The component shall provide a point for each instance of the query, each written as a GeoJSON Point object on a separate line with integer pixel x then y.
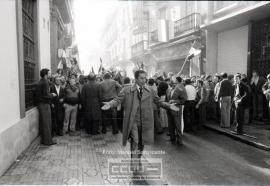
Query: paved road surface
{"type": "Point", "coordinates": [206, 158]}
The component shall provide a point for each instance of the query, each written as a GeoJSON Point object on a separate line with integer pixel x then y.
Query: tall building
{"type": "Point", "coordinates": [25, 40]}
{"type": "Point", "coordinates": [28, 45]}
{"type": "Point", "coordinates": [174, 27]}
{"type": "Point", "coordinates": [62, 31]}
{"type": "Point", "coordinates": [238, 36]}
{"type": "Point", "coordinates": [116, 39]}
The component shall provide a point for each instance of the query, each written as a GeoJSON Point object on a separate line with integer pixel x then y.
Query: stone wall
{"type": "Point", "coordinates": [14, 140]}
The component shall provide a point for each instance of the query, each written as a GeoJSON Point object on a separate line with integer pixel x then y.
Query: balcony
{"type": "Point", "coordinates": [138, 48]}
{"type": "Point", "coordinates": [188, 23]}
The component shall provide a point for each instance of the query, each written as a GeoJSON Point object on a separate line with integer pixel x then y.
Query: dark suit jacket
{"type": "Point", "coordinates": [56, 100]}
{"type": "Point", "coordinates": [179, 97]}
{"type": "Point", "coordinates": [42, 92]}
{"type": "Point", "coordinates": [243, 95]}
{"type": "Point", "coordinates": [91, 100]}
{"type": "Point", "coordinates": [226, 88]}
{"type": "Point", "coordinates": [257, 89]}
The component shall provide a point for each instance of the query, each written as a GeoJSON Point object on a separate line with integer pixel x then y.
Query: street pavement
{"type": "Point", "coordinates": [206, 158]}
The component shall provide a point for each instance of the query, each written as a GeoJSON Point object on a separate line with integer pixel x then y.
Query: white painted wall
{"type": "Point", "coordinates": [232, 50]}
{"type": "Point", "coordinates": [211, 52]}
{"type": "Point", "coordinates": [9, 95]}
{"type": "Point", "coordinates": [44, 33]}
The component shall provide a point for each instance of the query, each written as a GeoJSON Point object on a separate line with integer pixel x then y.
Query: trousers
{"type": "Point", "coordinates": [70, 117]}
{"type": "Point", "coordinates": [225, 109]}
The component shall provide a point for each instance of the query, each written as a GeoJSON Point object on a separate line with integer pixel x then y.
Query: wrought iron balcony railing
{"type": "Point", "coordinates": [138, 48]}
{"type": "Point", "coordinates": [188, 23]}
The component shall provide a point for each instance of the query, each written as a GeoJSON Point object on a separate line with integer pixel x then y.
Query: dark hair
{"type": "Point", "coordinates": [224, 75]}
{"type": "Point", "coordinates": [179, 79]}
{"type": "Point", "coordinates": [200, 81]}
{"type": "Point", "coordinates": [151, 81]}
{"type": "Point", "coordinates": [44, 72]}
{"type": "Point", "coordinates": [138, 72]}
{"type": "Point", "coordinates": [167, 79]}
{"type": "Point", "coordinates": [107, 75]}
{"type": "Point", "coordinates": [91, 77]}
{"type": "Point", "coordinates": [208, 77]}
{"type": "Point", "coordinates": [230, 77]}
{"type": "Point", "coordinates": [162, 88]}
{"type": "Point", "coordinates": [245, 80]}
{"type": "Point", "coordinates": [127, 80]}
{"type": "Point", "coordinates": [188, 81]}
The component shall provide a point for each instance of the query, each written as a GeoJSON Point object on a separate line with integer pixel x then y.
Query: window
{"type": "Point", "coordinates": [29, 51]}
{"type": "Point", "coordinates": [162, 13]}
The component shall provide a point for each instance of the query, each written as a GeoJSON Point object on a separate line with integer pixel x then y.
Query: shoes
{"type": "Point", "coordinates": [95, 133]}
{"type": "Point", "coordinates": [60, 133]}
{"type": "Point", "coordinates": [103, 131]}
{"type": "Point", "coordinates": [115, 132]}
{"type": "Point", "coordinates": [224, 127]}
{"type": "Point", "coordinates": [172, 140]}
{"type": "Point", "coordinates": [179, 141]}
{"type": "Point", "coordinates": [168, 134]}
{"type": "Point", "coordinates": [53, 143]}
{"type": "Point", "coordinates": [160, 132]}
{"type": "Point", "coordinates": [238, 132]}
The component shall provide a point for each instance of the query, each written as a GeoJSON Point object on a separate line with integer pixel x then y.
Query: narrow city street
{"type": "Point", "coordinates": [207, 158]}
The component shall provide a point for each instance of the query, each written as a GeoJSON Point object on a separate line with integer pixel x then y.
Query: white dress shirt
{"type": "Point", "coordinates": [191, 92]}
{"type": "Point", "coordinates": [57, 89]}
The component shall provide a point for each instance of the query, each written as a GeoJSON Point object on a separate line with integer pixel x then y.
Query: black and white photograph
{"type": "Point", "coordinates": [134, 92]}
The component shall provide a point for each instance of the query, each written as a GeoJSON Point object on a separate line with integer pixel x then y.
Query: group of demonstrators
{"type": "Point", "coordinates": [69, 102]}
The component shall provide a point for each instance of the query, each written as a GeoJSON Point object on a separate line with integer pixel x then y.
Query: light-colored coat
{"type": "Point", "coordinates": [128, 97]}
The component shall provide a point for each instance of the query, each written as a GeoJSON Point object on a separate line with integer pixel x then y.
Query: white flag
{"type": "Point", "coordinates": [194, 51]}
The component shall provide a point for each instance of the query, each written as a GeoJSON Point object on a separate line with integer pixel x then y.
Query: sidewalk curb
{"type": "Point", "coordinates": [238, 137]}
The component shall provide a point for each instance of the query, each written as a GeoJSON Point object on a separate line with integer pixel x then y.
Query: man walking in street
{"type": "Point", "coordinates": [240, 100]}
{"type": "Point", "coordinates": [109, 89]}
{"type": "Point", "coordinates": [224, 96]}
{"type": "Point", "coordinates": [44, 97]}
{"type": "Point", "coordinates": [138, 124]}
{"type": "Point", "coordinates": [91, 102]}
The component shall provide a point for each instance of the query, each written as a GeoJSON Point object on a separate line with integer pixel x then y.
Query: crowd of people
{"type": "Point", "coordinates": [180, 103]}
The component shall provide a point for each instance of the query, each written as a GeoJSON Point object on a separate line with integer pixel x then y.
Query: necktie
{"type": "Point", "coordinates": [140, 93]}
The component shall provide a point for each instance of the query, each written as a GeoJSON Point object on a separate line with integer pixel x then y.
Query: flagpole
{"type": "Point", "coordinates": [186, 59]}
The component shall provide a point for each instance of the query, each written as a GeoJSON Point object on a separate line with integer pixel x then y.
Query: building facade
{"type": "Point", "coordinates": [174, 27]}
{"type": "Point", "coordinates": [26, 38]}
{"type": "Point", "coordinates": [62, 32]}
{"type": "Point", "coordinates": [116, 39]}
{"type": "Point", "coordinates": [237, 37]}
{"type": "Point", "coordinates": [160, 36]}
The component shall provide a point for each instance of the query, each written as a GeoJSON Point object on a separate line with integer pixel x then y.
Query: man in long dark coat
{"type": "Point", "coordinates": [138, 124]}
{"type": "Point", "coordinates": [91, 100]}
{"type": "Point", "coordinates": [44, 97]}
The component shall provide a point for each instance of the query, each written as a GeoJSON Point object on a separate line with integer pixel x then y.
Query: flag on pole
{"type": "Point", "coordinates": [100, 66]}
{"type": "Point", "coordinates": [93, 70]}
{"type": "Point", "coordinates": [193, 52]}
